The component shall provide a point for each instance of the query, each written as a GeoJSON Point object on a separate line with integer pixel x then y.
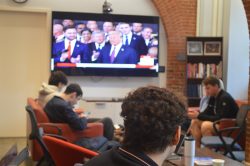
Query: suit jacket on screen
{"type": "Point", "coordinates": [79, 49]}
{"type": "Point", "coordinates": [126, 55]}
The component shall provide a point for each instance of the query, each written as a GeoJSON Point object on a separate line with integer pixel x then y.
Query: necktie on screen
{"type": "Point", "coordinates": [69, 50]}
{"type": "Point", "coordinates": [99, 47]}
{"type": "Point", "coordinates": [126, 40]}
{"type": "Point", "coordinates": [112, 56]}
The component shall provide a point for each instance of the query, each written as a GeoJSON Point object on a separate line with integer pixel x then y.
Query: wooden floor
{"type": "Point", "coordinates": [7, 143]}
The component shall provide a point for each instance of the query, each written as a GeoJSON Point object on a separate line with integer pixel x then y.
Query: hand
{"type": "Point", "coordinates": [82, 115]}
{"type": "Point", "coordinates": [95, 54]}
{"type": "Point", "coordinates": [79, 110]}
{"type": "Point", "coordinates": [64, 56]}
{"type": "Point", "coordinates": [75, 60]}
{"type": "Point", "coordinates": [192, 114]}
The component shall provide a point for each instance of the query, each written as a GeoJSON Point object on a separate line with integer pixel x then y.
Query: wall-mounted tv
{"type": "Point", "coordinates": [90, 44]}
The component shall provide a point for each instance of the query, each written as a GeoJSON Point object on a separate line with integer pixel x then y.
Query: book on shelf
{"type": "Point", "coordinates": [195, 90]}
{"type": "Point", "coordinates": [201, 70]}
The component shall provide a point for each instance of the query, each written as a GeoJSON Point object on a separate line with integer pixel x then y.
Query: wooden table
{"type": "Point", "coordinates": [205, 152]}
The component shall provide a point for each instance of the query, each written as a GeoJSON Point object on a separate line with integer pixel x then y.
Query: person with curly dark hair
{"type": "Point", "coordinates": [152, 120]}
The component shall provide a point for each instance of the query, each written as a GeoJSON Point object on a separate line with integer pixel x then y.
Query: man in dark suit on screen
{"type": "Point", "coordinates": [116, 52]}
{"type": "Point", "coordinates": [97, 45]}
{"type": "Point", "coordinates": [70, 50]}
{"type": "Point", "coordinates": [133, 40]}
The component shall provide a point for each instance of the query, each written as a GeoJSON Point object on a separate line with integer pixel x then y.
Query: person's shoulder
{"type": "Point", "coordinates": [59, 43]}
{"type": "Point", "coordinates": [137, 37]}
{"type": "Point", "coordinates": [47, 89]}
{"type": "Point", "coordinates": [79, 44]}
{"type": "Point", "coordinates": [128, 49]}
{"type": "Point", "coordinates": [225, 94]}
{"type": "Point", "coordinates": [105, 157]}
{"type": "Point", "coordinates": [226, 97]}
{"type": "Point", "coordinates": [57, 101]}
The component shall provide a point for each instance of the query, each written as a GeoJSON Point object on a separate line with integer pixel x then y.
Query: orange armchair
{"type": "Point", "coordinates": [66, 153]}
{"type": "Point", "coordinates": [63, 129]}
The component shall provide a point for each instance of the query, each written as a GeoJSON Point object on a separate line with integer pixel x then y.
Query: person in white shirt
{"type": "Point", "coordinates": [79, 28]}
{"type": "Point", "coordinates": [58, 33]}
{"type": "Point", "coordinates": [107, 27]}
{"type": "Point", "coordinates": [137, 28]}
{"type": "Point", "coordinates": [97, 44]}
{"type": "Point", "coordinates": [70, 50]}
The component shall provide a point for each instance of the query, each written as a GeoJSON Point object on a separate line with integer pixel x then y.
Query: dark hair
{"type": "Point", "coordinates": [58, 77]}
{"type": "Point", "coordinates": [151, 118]}
{"type": "Point", "coordinates": [81, 23]}
{"type": "Point", "coordinates": [211, 80]}
{"type": "Point", "coordinates": [69, 27]}
{"type": "Point", "coordinates": [86, 29]}
{"type": "Point", "coordinates": [71, 88]}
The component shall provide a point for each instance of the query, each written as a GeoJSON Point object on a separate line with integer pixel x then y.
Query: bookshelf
{"type": "Point", "coordinates": [204, 58]}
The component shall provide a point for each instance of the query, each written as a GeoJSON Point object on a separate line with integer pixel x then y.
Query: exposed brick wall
{"type": "Point", "coordinates": [247, 9]}
{"type": "Point", "coordinates": [179, 20]}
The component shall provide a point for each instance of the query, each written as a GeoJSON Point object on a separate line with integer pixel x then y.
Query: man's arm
{"type": "Point", "coordinates": [209, 114]}
{"type": "Point", "coordinates": [132, 57]}
{"type": "Point", "coordinates": [227, 108]}
{"type": "Point", "coordinates": [74, 121]}
{"type": "Point", "coordinates": [206, 117]}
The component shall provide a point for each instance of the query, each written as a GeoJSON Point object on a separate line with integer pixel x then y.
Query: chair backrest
{"type": "Point", "coordinates": [241, 102]}
{"type": "Point", "coordinates": [38, 110]}
{"type": "Point", "coordinates": [242, 115]}
{"type": "Point", "coordinates": [36, 135]}
{"type": "Point", "coordinates": [65, 153]}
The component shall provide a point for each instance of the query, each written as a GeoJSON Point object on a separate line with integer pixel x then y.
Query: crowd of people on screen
{"type": "Point", "coordinates": [103, 42]}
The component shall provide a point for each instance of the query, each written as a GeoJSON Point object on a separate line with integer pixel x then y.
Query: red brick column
{"type": "Point", "coordinates": [179, 20]}
{"type": "Point", "coordinates": [247, 9]}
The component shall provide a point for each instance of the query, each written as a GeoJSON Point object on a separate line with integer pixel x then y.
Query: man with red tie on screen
{"type": "Point", "coordinates": [70, 50]}
{"type": "Point", "coordinates": [116, 52]}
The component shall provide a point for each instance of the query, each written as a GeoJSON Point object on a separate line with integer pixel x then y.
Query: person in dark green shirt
{"type": "Point", "coordinates": [220, 105]}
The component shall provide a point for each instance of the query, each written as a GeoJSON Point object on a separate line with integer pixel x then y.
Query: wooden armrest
{"type": "Point", "coordinates": [229, 129]}
{"type": "Point", "coordinates": [224, 123]}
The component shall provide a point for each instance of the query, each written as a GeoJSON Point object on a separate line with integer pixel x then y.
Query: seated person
{"type": "Point", "coordinates": [57, 81]}
{"type": "Point", "coordinates": [220, 105]}
{"type": "Point", "coordinates": [60, 110]}
{"type": "Point", "coordinates": [152, 120]}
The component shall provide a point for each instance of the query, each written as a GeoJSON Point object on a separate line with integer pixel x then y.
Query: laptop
{"type": "Point", "coordinates": [178, 152]}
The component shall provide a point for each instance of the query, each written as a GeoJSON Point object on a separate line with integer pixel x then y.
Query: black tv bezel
{"type": "Point", "coordinates": [116, 72]}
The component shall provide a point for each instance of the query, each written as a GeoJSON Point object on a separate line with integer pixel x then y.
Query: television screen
{"type": "Point", "coordinates": [104, 44]}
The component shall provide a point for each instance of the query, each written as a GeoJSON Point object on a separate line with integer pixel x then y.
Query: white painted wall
{"type": "Point", "coordinates": [227, 18]}
{"type": "Point", "coordinates": [237, 73]}
{"type": "Point", "coordinates": [93, 86]}
{"type": "Point", "coordinates": [107, 86]}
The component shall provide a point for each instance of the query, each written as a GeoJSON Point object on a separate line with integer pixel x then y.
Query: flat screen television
{"type": "Point", "coordinates": [87, 44]}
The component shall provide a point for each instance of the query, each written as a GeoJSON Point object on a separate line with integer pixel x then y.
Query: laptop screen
{"type": "Point", "coordinates": [178, 146]}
